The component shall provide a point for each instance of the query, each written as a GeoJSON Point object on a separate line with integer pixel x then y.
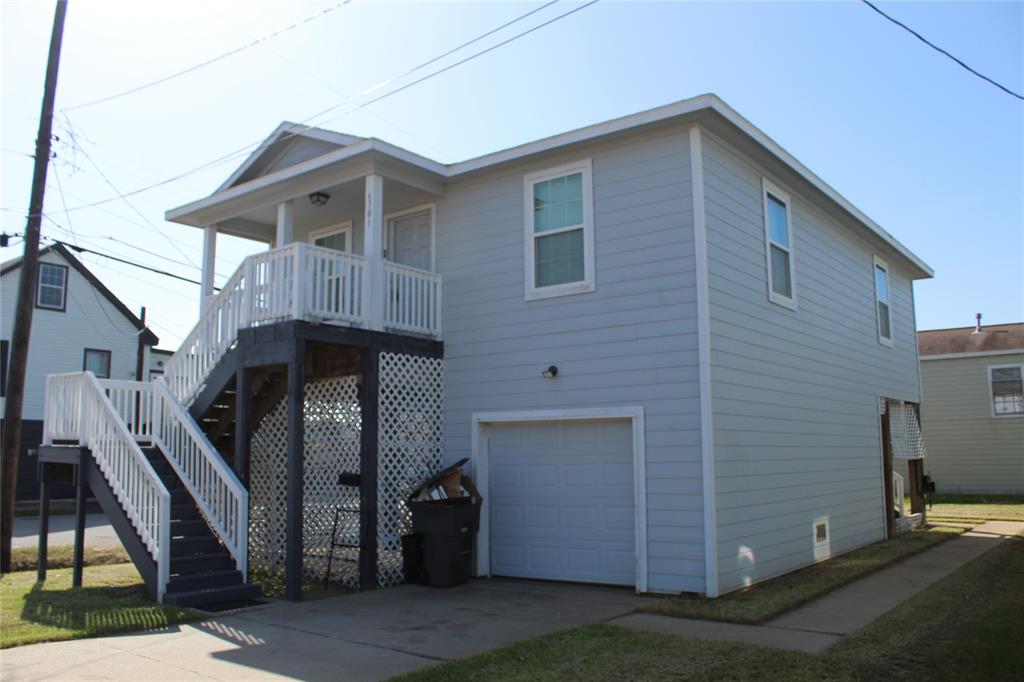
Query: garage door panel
{"type": "Point", "coordinates": [562, 501]}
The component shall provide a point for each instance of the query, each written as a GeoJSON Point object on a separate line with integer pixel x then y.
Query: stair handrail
{"type": "Point", "coordinates": [221, 497]}
{"type": "Point", "coordinates": [136, 485]}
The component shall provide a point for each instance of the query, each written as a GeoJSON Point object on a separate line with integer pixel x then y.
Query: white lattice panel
{"type": "Point", "coordinates": [905, 431]}
{"type": "Point", "coordinates": [332, 430]}
{"type": "Point", "coordinates": [410, 448]}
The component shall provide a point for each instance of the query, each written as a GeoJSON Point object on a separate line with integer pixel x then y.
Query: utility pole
{"type": "Point", "coordinates": [27, 282]}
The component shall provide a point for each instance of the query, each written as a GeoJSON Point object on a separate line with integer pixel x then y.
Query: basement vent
{"type": "Point", "coordinates": [822, 539]}
{"type": "Point", "coordinates": [821, 532]}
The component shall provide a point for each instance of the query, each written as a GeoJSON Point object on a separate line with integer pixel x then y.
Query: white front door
{"type": "Point", "coordinates": [410, 239]}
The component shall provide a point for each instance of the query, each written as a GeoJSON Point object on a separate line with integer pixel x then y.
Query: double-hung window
{"type": "Point", "coordinates": [883, 307]}
{"type": "Point", "coordinates": [559, 231]}
{"type": "Point", "coordinates": [1006, 386]}
{"type": "Point", "coordinates": [778, 234]}
{"type": "Point", "coordinates": [53, 287]}
{"type": "Point", "coordinates": [97, 362]}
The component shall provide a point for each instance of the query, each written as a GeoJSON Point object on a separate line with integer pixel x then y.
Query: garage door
{"type": "Point", "coordinates": [562, 501]}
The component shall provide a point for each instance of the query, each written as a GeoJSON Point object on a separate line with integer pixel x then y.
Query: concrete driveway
{"type": "Point", "coordinates": [98, 531]}
{"type": "Point", "coordinates": [365, 636]}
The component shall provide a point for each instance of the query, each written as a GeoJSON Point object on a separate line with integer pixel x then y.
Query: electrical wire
{"type": "Point", "coordinates": [306, 122]}
{"type": "Point", "coordinates": [254, 43]}
{"type": "Point", "coordinates": [940, 50]}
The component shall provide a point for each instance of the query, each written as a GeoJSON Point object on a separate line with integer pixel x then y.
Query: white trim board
{"type": "Point", "coordinates": [480, 460]}
{"type": "Point", "coordinates": [707, 447]}
{"type": "Point", "coordinates": [979, 354]}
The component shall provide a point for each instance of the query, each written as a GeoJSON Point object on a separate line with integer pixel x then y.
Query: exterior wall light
{"type": "Point", "coordinates": [319, 198]}
{"type": "Point", "coordinates": [550, 372]}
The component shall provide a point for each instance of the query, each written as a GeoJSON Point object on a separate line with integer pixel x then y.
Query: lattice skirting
{"type": "Point", "coordinates": [410, 447]}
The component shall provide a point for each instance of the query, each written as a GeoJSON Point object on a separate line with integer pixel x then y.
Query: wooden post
{"type": "Point", "coordinates": [373, 248]}
{"type": "Point", "coordinates": [209, 261]}
{"type": "Point", "coordinates": [370, 361]}
{"type": "Point", "coordinates": [285, 224]}
{"type": "Point", "coordinates": [243, 415]}
{"type": "Point", "coordinates": [79, 558]}
{"type": "Point", "coordinates": [44, 519]}
{"type": "Point", "coordinates": [890, 513]}
{"type": "Point", "coordinates": [916, 472]}
{"type": "Point", "coordinates": [296, 455]}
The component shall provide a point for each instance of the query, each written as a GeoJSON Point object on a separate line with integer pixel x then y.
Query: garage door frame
{"type": "Point", "coordinates": [480, 459]}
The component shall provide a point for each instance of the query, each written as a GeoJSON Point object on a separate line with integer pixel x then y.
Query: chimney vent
{"type": "Point", "coordinates": [977, 327]}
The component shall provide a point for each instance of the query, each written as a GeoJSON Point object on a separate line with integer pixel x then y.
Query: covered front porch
{"type": "Point", "coordinates": [351, 235]}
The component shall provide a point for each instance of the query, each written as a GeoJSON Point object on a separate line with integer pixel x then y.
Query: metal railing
{"type": "Point", "coordinates": [78, 408]}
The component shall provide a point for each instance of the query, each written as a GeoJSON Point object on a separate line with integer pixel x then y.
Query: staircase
{"type": "Point", "coordinates": [202, 571]}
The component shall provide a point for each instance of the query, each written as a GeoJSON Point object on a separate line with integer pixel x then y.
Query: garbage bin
{"type": "Point", "coordinates": [439, 553]}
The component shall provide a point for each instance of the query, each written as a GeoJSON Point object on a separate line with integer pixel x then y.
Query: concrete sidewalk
{"type": "Point", "coordinates": [365, 636]}
{"type": "Point", "coordinates": [820, 624]}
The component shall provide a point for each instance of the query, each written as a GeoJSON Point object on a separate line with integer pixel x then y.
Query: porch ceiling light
{"type": "Point", "coordinates": [319, 198]}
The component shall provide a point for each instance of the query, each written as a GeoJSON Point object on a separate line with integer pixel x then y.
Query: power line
{"type": "Point", "coordinates": [241, 151]}
{"type": "Point", "coordinates": [218, 58]}
{"type": "Point", "coordinates": [939, 49]}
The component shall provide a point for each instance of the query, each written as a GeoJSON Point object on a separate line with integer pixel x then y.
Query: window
{"type": "Point", "coordinates": [335, 237]}
{"type": "Point", "coordinates": [53, 286]}
{"type": "Point", "coordinates": [778, 234]}
{"type": "Point", "coordinates": [559, 232]}
{"type": "Point", "coordinates": [883, 310]}
{"type": "Point", "coordinates": [97, 362]}
{"type": "Point", "coordinates": [1006, 386]}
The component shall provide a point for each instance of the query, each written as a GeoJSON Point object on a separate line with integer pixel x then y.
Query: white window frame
{"type": "Point", "coordinates": [64, 291]}
{"type": "Point", "coordinates": [768, 187]}
{"type": "Point", "coordinates": [389, 231]}
{"type": "Point", "coordinates": [992, 398]}
{"type": "Point", "coordinates": [337, 228]}
{"type": "Point", "coordinates": [533, 292]}
{"type": "Point", "coordinates": [878, 263]}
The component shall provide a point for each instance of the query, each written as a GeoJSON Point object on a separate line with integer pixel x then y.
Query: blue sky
{"type": "Point", "coordinates": [930, 152]}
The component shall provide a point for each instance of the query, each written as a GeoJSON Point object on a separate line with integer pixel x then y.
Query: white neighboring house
{"type": "Point", "coordinates": [78, 323]}
{"type": "Point", "coordinates": [972, 410]}
{"type": "Point", "coordinates": [158, 357]}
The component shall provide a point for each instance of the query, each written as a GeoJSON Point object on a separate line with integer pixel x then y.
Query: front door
{"type": "Point", "coordinates": [410, 239]}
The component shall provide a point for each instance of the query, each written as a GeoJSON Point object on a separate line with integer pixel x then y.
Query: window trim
{"type": "Point", "coordinates": [110, 361]}
{"type": "Point", "coordinates": [878, 263]}
{"type": "Point", "coordinates": [587, 284]}
{"type": "Point", "coordinates": [768, 187]}
{"type": "Point", "coordinates": [39, 287]}
{"type": "Point", "coordinates": [992, 398]}
{"type": "Point", "coordinates": [389, 231]}
{"type": "Point", "coordinates": [329, 230]}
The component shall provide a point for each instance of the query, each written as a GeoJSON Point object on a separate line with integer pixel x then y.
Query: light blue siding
{"type": "Point", "coordinates": [795, 394]}
{"type": "Point", "coordinates": [630, 342]}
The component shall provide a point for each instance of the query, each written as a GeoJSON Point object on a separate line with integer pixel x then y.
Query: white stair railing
{"type": "Point", "coordinates": [133, 401]}
{"type": "Point", "coordinates": [77, 408]}
{"type": "Point", "coordinates": [214, 486]}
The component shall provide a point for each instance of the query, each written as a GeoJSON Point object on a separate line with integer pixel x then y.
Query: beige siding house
{"type": "Point", "coordinates": [972, 412]}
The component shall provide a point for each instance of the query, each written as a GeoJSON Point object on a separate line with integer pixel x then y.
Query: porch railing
{"type": "Point", "coordinates": [78, 408]}
{"type": "Point", "coordinates": [898, 492]}
{"type": "Point", "coordinates": [303, 282]}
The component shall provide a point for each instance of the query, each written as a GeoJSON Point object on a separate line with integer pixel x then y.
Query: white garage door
{"type": "Point", "coordinates": [562, 501]}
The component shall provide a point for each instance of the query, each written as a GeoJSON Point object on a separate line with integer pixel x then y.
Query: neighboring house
{"type": "Point", "coordinates": [972, 412]}
{"type": "Point", "coordinates": [157, 358]}
{"type": "Point", "coordinates": [77, 324]}
{"type": "Point", "coordinates": [663, 343]}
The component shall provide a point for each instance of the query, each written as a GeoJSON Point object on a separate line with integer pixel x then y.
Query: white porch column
{"type": "Point", "coordinates": [285, 223]}
{"type": "Point", "coordinates": [373, 248]}
{"type": "Point", "coordinates": [209, 258]}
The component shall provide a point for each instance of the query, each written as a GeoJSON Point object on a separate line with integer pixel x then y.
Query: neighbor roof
{"type": "Point", "coordinates": [992, 338]}
{"type": "Point", "coordinates": [148, 337]}
{"type": "Point", "coordinates": [189, 214]}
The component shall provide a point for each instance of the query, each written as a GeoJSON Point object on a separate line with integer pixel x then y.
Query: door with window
{"type": "Point", "coordinates": [410, 239]}
{"type": "Point", "coordinates": [332, 288]}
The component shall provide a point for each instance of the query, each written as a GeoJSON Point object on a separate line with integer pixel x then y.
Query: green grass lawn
{"type": "Point", "coordinates": [773, 597]}
{"type": "Point", "coordinates": [112, 599]}
{"type": "Point", "coordinates": [977, 508]}
{"type": "Point", "coordinates": [966, 626]}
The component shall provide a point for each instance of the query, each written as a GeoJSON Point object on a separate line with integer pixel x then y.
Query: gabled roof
{"type": "Point", "coordinates": [992, 338]}
{"type": "Point", "coordinates": [148, 337]}
{"type": "Point", "coordinates": [703, 108]}
{"type": "Point", "coordinates": [284, 136]}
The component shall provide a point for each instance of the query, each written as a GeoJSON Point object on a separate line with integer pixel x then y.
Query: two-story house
{"type": "Point", "coordinates": [78, 324]}
{"type": "Point", "coordinates": [664, 344]}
